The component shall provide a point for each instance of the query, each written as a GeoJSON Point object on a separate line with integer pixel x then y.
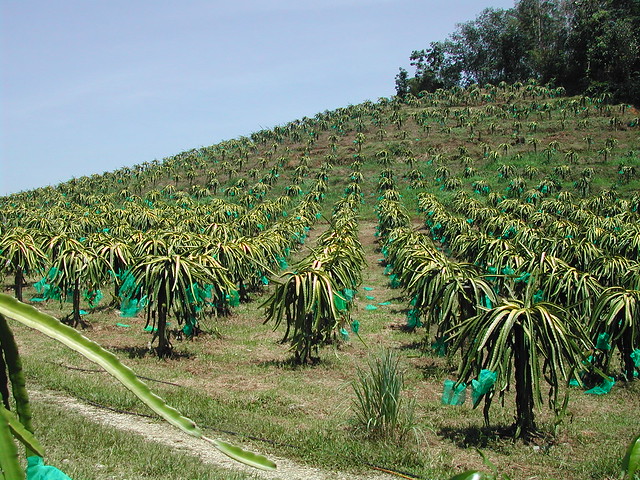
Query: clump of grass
{"type": "Point", "coordinates": [379, 407]}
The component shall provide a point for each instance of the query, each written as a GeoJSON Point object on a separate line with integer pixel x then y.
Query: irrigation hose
{"type": "Point", "coordinates": [89, 370]}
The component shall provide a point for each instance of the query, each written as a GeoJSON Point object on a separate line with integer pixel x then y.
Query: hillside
{"type": "Point", "coordinates": [487, 183]}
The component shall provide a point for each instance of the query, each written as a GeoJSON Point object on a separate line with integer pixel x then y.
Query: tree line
{"type": "Point", "coordinates": [585, 46]}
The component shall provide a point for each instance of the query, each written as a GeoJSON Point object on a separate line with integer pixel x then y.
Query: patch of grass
{"type": "Point", "coordinates": [381, 411]}
{"type": "Point", "coordinates": [86, 450]}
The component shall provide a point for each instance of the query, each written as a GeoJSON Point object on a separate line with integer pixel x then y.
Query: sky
{"type": "Point", "coordinates": [90, 86]}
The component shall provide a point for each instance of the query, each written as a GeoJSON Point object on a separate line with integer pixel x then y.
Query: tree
{"type": "Point", "coordinates": [581, 46]}
{"type": "Point", "coordinates": [522, 342]}
{"type": "Point", "coordinates": [543, 28]}
{"type": "Point", "coordinates": [306, 300]}
{"type": "Point", "coordinates": [434, 69]}
{"type": "Point", "coordinates": [617, 313]}
{"type": "Point", "coordinates": [603, 46]}
{"type": "Point", "coordinates": [172, 283]}
{"type": "Point", "coordinates": [20, 255]}
{"type": "Point", "coordinates": [402, 83]}
{"type": "Point", "coordinates": [75, 266]}
{"type": "Point", "coordinates": [118, 256]}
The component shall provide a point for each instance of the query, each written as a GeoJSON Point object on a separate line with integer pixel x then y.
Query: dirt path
{"type": "Point", "coordinates": [163, 433]}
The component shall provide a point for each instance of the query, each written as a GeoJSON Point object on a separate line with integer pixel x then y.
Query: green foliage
{"type": "Point", "coordinates": [564, 43]}
{"type": "Point", "coordinates": [525, 343]}
{"type": "Point", "coordinates": [169, 283]}
{"type": "Point", "coordinates": [306, 301]}
{"type": "Point", "coordinates": [617, 313]}
{"type": "Point", "coordinates": [631, 460]}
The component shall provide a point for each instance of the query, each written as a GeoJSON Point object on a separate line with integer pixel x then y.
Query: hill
{"type": "Point", "coordinates": [488, 181]}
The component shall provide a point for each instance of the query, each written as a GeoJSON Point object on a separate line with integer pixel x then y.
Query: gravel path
{"type": "Point", "coordinates": [163, 433]}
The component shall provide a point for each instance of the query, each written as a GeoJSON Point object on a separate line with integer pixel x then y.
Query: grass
{"type": "Point", "coordinates": [100, 452]}
{"type": "Point", "coordinates": [379, 406]}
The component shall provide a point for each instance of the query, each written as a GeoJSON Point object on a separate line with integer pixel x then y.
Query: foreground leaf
{"type": "Point", "coordinates": [9, 464]}
{"type": "Point", "coordinates": [51, 327]}
{"type": "Point", "coordinates": [470, 475]}
{"type": "Point", "coordinates": [21, 433]}
{"type": "Point", "coordinates": [631, 460]}
{"type": "Point", "coordinates": [237, 453]}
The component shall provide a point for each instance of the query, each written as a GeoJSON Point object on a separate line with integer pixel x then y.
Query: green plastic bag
{"type": "Point", "coordinates": [413, 318]}
{"type": "Point", "coordinates": [129, 286]}
{"type": "Point", "coordinates": [355, 326]}
{"type": "Point", "coordinates": [508, 271]}
{"type": "Point", "coordinates": [370, 307]}
{"type": "Point", "coordinates": [44, 288]}
{"type": "Point", "coordinates": [344, 335]}
{"type": "Point", "coordinates": [487, 302]}
{"type": "Point", "coordinates": [538, 296]}
{"type": "Point", "coordinates": [233, 298]}
{"type": "Point", "coordinates": [452, 395]}
{"type": "Point", "coordinates": [348, 294]}
{"type": "Point", "coordinates": [130, 307]}
{"type": "Point", "coordinates": [190, 326]}
{"type": "Point", "coordinates": [602, 389]}
{"type": "Point", "coordinates": [635, 356]}
{"type": "Point", "coordinates": [603, 342]}
{"type": "Point", "coordinates": [440, 346]}
{"type": "Point", "coordinates": [282, 262]}
{"type": "Point", "coordinates": [37, 470]}
{"type": "Point", "coordinates": [339, 302]}
{"type": "Point", "coordinates": [482, 385]}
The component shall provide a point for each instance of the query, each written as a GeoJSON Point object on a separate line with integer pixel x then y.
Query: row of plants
{"type": "Point", "coordinates": [214, 262]}
{"type": "Point", "coordinates": [315, 296]}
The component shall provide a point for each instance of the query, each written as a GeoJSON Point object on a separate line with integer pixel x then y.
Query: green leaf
{"type": "Point", "coordinates": [21, 433]}
{"type": "Point", "coordinates": [237, 453]}
{"type": "Point", "coordinates": [70, 337]}
{"type": "Point", "coordinates": [631, 460]}
{"type": "Point", "coordinates": [51, 327]}
{"type": "Point", "coordinates": [9, 464]}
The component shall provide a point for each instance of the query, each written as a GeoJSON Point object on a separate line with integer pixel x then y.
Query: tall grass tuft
{"type": "Point", "coordinates": [379, 407]}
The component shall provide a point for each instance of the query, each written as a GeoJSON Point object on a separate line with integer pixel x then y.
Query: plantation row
{"type": "Point", "coordinates": [509, 298]}
{"type": "Point", "coordinates": [215, 260]}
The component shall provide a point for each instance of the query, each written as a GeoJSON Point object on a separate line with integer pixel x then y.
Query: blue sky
{"type": "Point", "coordinates": [88, 86]}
